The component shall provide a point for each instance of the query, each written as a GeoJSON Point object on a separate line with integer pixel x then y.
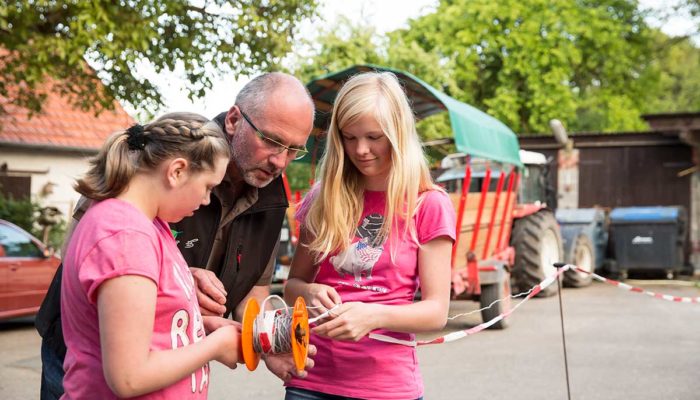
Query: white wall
{"type": "Point", "coordinates": [61, 169]}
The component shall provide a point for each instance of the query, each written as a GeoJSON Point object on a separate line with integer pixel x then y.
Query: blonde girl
{"type": "Point", "coordinates": [372, 229]}
{"type": "Point", "coordinates": [130, 316]}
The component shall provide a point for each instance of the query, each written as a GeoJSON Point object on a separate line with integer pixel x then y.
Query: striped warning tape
{"type": "Point", "coordinates": [622, 285]}
{"type": "Point", "coordinates": [450, 337]}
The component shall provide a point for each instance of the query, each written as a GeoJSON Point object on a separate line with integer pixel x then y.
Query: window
{"type": "Point", "coordinates": [17, 187]}
{"type": "Point", "coordinates": [17, 243]}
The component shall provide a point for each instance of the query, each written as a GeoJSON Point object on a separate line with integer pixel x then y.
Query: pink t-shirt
{"type": "Point", "coordinates": [114, 239]}
{"type": "Point", "coordinates": [371, 369]}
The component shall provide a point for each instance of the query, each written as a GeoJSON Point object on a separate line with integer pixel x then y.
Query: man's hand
{"type": "Point", "coordinates": [211, 294]}
{"type": "Point", "coordinates": [212, 323]}
{"type": "Point", "coordinates": [282, 365]}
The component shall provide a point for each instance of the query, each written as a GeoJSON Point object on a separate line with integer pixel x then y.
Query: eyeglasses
{"type": "Point", "coordinates": [293, 152]}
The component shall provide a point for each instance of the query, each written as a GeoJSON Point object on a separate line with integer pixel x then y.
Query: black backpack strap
{"type": "Point", "coordinates": [48, 319]}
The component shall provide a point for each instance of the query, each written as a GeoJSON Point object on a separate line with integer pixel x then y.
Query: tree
{"type": "Point", "coordinates": [50, 41]}
{"type": "Point", "coordinates": [678, 86]}
{"type": "Point", "coordinates": [349, 43]}
{"type": "Point", "coordinates": [527, 62]}
{"type": "Point", "coordinates": [590, 63]}
{"type": "Point", "coordinates": [337, 47]}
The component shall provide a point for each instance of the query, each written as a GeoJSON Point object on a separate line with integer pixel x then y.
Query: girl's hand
{"type": "Point", "coordinates": [351, 321]}
{"type": "Point", "coordinates": [228, 341]}
{"type": "Point", "coordinates": [320, 298]}
{"type": "Point", "coordinates": [213, 323]}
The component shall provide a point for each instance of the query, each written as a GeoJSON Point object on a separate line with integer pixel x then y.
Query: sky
{"type": "Point", "coordinates": [385, 15]}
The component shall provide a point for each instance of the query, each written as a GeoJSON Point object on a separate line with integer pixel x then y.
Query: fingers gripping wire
{"type": "Point", "coordinates": [327, 313]}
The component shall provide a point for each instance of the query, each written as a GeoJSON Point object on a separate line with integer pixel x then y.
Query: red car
{"type": "Point", "coordinates": [27, 267]}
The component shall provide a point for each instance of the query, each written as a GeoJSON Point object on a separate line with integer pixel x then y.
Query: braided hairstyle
{"type": "Point", "coordinates": [143, 148]}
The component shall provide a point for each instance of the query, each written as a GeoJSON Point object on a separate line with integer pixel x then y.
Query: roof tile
{"type": "Point", "coordinates": [60, 124]}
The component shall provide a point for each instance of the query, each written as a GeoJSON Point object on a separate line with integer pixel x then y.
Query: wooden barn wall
{"type": "Point", "coordinates": [627, 177]}
{"type": "Point", "coordinates": [626, 171]}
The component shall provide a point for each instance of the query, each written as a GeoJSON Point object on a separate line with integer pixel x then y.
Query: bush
{"type": "Point", "coordinates": [298, 175]}
{"type": "Point", "coordinates": [19, 212]}
{"type": "Point", "coordinates": [24, 213]}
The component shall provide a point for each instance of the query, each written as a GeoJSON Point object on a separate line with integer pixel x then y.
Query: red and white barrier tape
{"type": "Point", "coordinates": [451, 337]}
{"type": "Point", "coordinates": [624, 286]}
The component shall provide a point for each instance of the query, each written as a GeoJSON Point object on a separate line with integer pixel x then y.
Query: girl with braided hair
{"type": "Point", "coordinates": [130, 315]}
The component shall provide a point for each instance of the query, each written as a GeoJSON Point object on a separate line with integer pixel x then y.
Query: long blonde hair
{"type": "Point", "coordinates": [336, 209]}
{"type": "Point", "coordinates": [186, 135]}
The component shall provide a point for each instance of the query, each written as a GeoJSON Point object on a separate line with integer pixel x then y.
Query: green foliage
{"type": "Point", "coordinates": [678, 86]}
{"type": "Point", "coordinates": [50, 41]}
{"type": "Point", "coordinates": [595, 65]}
{"type": "Point", "coordinates": [338, 47]}
{"type": "Point", "coordinates": [350, 43]}
{"type": "Point", "coordinates": [57, 235]}
{"type": "Point", "coordinates": [19, 212]}
{"type": "Point", "coordinates": [526, 62]}
{"type": "Point", "coordinates": [24, 213]}
{"type": "Point", "coordinates": [436, 127]}
{"type": "Point", "coordinates": [299, 176]}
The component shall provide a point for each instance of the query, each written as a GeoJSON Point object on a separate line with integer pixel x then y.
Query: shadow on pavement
{"type": "Point", "coordinates": [17, 323]}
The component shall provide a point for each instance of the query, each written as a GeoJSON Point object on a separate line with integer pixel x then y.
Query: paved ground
{"type": "Point", "coordinates": [620, 345]}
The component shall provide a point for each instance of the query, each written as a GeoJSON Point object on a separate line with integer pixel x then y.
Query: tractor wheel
{"type": "Point", "coordinates": [583, 256]}
{"type": "Point", "coordinates": [538, 245]}
{"type": "Point", "coordinates": [491, 293]}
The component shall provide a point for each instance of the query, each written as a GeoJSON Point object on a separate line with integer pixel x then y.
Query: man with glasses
{"type": "Point", "coordinates": [267, 128]}
{"type": "Point", "coordinates": [293, 152]}
{"type": "Point", "coordinates": [235, 238]}
{"type": "Point", "coordinates": [230, 244]}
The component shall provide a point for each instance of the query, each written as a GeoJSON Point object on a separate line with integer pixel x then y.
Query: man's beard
{"type": "Point", "coordinates": [250, 178]}
{"type": "Point", "coordinates": [251, 173]}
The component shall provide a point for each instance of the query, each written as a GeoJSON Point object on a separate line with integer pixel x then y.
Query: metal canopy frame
{"type": "Point", "coordinates": [475, 132]}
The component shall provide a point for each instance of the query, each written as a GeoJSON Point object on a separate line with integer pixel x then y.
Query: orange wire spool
{"type": "Point", "coordinates": [250, 357]}
{"type": "Point", "coordinates": [299, 331]}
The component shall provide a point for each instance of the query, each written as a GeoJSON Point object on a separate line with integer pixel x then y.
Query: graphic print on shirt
{"type": "Point", "coordinates": [188, 324]}
{"type": "Point", "coordinates": [360, 257]}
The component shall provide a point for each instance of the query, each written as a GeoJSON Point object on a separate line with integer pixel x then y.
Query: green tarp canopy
{"type": "Point", "coordinates": [475, 132]}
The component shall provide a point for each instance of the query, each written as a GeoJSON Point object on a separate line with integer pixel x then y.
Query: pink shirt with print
{"type": "Point", "coordinates": [114, 239]}
{"type": "Point", "coordinates": [371, 369]}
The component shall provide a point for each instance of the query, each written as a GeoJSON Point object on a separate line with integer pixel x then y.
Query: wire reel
{"type": "Point", "coordinates": [260, 332]}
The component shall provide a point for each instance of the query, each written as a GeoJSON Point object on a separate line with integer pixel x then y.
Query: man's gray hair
{"type": "Point", "coordinates": [254, 95]}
